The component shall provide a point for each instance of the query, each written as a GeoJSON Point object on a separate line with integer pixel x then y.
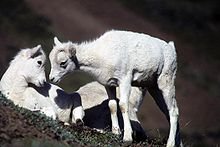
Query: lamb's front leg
{"type": "Point", "coordinates": [125, 89]}
{"type": "Point", "coordinates": [78, 111]}
{"type": "Point", "coordinates": [111, 91]}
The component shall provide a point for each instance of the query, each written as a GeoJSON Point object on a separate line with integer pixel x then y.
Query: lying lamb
{"type": "Point", "coordinates": [24, 82]}
{"type": "Point", "coordinates": [124, 59]}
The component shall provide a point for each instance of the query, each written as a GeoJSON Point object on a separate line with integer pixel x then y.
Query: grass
{"type": "Point", "coordinates": [56, 133]}
{"type": "Point", "coordinates": [64, 134]}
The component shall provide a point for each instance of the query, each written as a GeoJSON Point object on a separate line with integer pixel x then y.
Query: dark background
{"type": "Point", "coordinates": [194, 26]}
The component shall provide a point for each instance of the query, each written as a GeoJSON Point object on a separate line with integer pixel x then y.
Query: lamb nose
{"type": "Point", "coordinates": [52, 79]}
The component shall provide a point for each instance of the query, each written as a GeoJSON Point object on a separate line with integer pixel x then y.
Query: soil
{"type": "Point", "coordinates": [14, 125]}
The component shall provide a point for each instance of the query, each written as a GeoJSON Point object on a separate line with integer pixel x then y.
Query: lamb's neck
{"type": "Point", "coordinates": [7, 80]}
{"type": "Point", "coordinates": [88, 58]}
{"type": "Point", "coordinates": [20, 85]}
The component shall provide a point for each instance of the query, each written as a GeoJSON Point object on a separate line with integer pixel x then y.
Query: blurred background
{"type": "Point", "coordinates": [194, 26]}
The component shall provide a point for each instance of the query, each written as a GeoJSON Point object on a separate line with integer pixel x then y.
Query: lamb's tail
{"type": "Point", "coordinates": [173, 54]}
{"type": "Point", "coordinates": [172, 47]}
{"type": "Point", "coordinates": [171, 43]}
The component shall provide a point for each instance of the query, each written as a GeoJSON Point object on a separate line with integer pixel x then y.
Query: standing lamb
{"type": "Point", "coordinates": [124, 59]}
{"type": "Point", "coordinates": [24, 82]}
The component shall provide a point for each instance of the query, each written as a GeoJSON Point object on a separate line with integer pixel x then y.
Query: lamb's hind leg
{"type": "Point", "coordinates": [111, 91]}
{"type": "Point", "coordinates": [164, 95]}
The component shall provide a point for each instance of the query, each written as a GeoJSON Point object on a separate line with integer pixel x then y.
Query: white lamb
{"type": "Point", "coordinates": [125, 59]}
{"type": "Point", "coordinates": [24, 83]}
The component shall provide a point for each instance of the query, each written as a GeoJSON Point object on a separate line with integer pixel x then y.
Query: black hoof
{"type": "Point", "coordinates": [79, 122]}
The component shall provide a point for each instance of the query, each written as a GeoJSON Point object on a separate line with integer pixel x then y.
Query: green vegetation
{"type": "Point", "coordinates": [22, 127]}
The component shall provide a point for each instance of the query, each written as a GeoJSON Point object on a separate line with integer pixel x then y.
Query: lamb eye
{"type": "Point", "coordinates": [39, 62]}
{"type": "Point", "coordinates": [63, 64]}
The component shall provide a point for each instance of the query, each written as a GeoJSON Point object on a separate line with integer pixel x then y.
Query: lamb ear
{"type": "Point", "coordinates": [72, 51]}
{"type": "Point", "coordinates": [34, 52]}
{"type": "Point", "coordinates": [56, 41]}
{"type": "Point", "coordinates": [38, 47]}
